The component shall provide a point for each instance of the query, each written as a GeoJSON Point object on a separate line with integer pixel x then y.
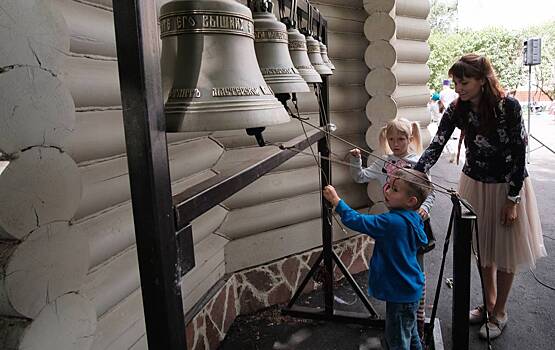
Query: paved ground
{"type": "Point", "coordinates": [531, 309]}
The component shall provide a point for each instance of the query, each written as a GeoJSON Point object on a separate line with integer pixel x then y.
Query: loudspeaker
{"type": "Point", "coordinates": [532, 51]}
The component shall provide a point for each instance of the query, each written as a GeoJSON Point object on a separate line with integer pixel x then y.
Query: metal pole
{"type": "Point", "coordinates": [147, 156]}
{"type": "Point", "coordinates": [462, 249]}
{"type": "Point", "coordinates": [529, 98]}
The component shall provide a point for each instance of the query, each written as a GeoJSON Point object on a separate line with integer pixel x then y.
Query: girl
{"type": "Point", "coordinates": [494, 180]}
{"type": "Point", "coordinates": [400, 140]}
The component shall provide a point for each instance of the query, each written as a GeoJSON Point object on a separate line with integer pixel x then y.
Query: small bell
{"type": "Point", "coordinates": [325, 58]}
{"type": "Point", "coordinates": [313, 47]}
{"type": "Point", "coordinates": [271, 46]}
{"type": "Point", "coordinates": [299, 56]}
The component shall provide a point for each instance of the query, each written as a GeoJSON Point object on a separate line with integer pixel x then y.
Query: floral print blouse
{"type": "Point", "coordinates": [496, 156]}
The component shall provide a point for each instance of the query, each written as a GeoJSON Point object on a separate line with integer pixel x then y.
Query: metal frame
{"type": "Point", "coordinates": [163, 224]}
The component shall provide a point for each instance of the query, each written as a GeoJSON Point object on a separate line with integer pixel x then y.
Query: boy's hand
{"type": "Point", "coordinates": [355, 152]}
{"type": "Point", "coordinates": [331, 195]}
{"type": "Point", "coordinates": [423, 214]}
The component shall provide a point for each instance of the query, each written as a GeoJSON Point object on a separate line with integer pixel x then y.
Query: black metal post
{"type": "Point", "coordinates": [325, 179]}
{"type": "Point", "coordinates": [140, 84]}
{"type": "Point", "coordinates": [462, 249]}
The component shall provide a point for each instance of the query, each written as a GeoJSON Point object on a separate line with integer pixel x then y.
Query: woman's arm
{"type": "Point", "coordinates": [518, 140]}
{"type": "Point", "coordinates": [433, 152]}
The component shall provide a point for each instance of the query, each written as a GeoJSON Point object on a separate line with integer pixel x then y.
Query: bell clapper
{"type": "Point", "coordinates": [257, 133]}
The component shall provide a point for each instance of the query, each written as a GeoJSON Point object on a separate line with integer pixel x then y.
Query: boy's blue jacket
{"type": "Point", "coordinates": [394, 274]}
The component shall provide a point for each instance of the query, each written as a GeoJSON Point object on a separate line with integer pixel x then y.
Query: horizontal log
{"type": "Point", "coordinates": [343, 19]}
{"type": "Point", "coordinates": [411, 73]}
{"type": "Point", "coordinates": [411, 50]}
{"type": "Point", "coordinates": [413, 8]}
{"type": "Point", "coordinates": [45, 46]}
{"type": "Point", "coordinates": [67, 323]}
{"type": "Point", "coordinates": [91, 28]}
{"type": "Point", "coordinates": [36, 108]}
{"type": "Point", "coordinates": [276, 186]}
{"type": "Point", "coordinates": [112, 232]}
{"type": "Point", "coordinates": [50, 262]}
{"type": "Point", "coordinates": [49, 190]}
{"type": "Point", "coordinates": [348, 72]}
{"type": "Point", "coordinates": [380, 81]}
{"type": "Point", "coordinates": [106, 183]}
{"type": "Point", "coordinates": [380, 54]}
{"type": "Point", "coordinates": [93, 82]}
{"type": "Point", "coordinates": [271, 215]}
{"type": "Point", "coordinates": [346, 45]}
{"type": "Point", "coordinates": [122, 325]}
{"type": "Point", "coordinates": [338, 3]}
{"type": "Point", "coordinates": [412, 28]}
{"type": "Point", "coordinates": [99, 134]}
{"type": "Point", "coordinates": [379, 26]}
{"type": "Point", "coordinates": [283, 241]}
{"type": "Point", "coordinates": [411, 95]}
{"type": "Point", "coordinates": [372, 6]}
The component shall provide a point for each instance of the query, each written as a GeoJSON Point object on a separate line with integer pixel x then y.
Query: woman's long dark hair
{"type": "Point", "coordinates": [479, 67]}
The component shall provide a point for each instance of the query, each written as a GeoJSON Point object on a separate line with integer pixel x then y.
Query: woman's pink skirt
{"type": "Point", "coordinates": [509, 248]}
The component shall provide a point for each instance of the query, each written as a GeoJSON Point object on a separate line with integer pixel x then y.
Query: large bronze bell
{"type": "Point", "coordinates": [271, 46]}
{"type": "Point", "coordinates": [313, 47]}
{"type": "Point", "coordinates": [325, 58]}
{"type": "Point", "coordinates": [217, 84]}
{"type": "Point", "coordinates": [299, 56]}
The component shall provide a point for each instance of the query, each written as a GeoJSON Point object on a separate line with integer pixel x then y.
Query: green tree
{"type": "Point", "coordinates": [502, 47]}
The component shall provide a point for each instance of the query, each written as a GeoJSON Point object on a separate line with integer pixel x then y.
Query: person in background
{"type": "Point", "coordinates": [447, 95]}
{"type": "Point", "coordinates": [394, 274]}
{"type": "Point", "coordinates": [494, 180]}
{"type": "Point", "coordinates": [434, 108]}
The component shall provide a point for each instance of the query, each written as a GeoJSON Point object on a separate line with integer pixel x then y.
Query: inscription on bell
{"type": "Point", "coordinates": [270, 35]}
{"type": "Point", "coordinates": [297, 45]}
{"type": "Point", "coordinates": [174, 24]}
{"type": "Point", "coordinates": [277, 71]}
{"type": "Point", "coordinates": [235, 91]}
{"type": "Point", "coordinates": [184, 93]}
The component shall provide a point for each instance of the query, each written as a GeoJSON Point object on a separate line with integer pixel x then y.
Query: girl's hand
{"type": "Point", "coordinates": [355, 152]}
{"type": "Point", "coordinates": [331, 195]}
{"type": "Point", "coordinates": [509, 213]}
{"type": "Point", "coordinates": [423, 214]}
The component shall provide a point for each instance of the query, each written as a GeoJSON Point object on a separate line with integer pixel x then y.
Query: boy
{"type": "Point", "coordinates": [394, 274]}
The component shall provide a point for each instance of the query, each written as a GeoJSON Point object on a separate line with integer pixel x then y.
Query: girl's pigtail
{"type": "Point", "coordinates": [416, 137]}
{"type": "Point", "coordinates": [382, 138]}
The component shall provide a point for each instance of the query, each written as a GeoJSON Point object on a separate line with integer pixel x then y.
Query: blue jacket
{"type": "Point", "coordinates": [394, 274]}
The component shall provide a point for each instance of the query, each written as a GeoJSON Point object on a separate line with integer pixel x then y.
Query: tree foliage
{"type": "Point", "coordinates": [503, 48]}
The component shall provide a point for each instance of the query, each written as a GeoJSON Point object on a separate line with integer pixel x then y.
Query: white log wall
{"type": "Point", "coordinates": [68, 255]}
{"type": "Point", "coordinates": [397, 54]}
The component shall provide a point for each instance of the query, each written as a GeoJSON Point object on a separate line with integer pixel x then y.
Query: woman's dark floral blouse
{"type": "Point", "coordinates": [495, 156]}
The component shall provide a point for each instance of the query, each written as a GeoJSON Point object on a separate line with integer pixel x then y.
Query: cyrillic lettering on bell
{"type": "Point", "coordinates": [175, 24]}
{"type": "Point", "coordinates": [235, 91]}
{"type": "Point", "coordinates": [297, 45]}
{"type": "Point", "coordinates": [277, 71]}
{"type": "Point", "coordinates": [270, 35]}
{"type": "Point", "coordinates": [184, 93]}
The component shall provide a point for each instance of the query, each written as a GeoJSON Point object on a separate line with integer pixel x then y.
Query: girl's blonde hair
{"type": "Point", "coordinates": [405, 127]}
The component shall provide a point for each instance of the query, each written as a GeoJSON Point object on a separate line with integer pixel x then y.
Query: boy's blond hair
{"type": "Point", "coordinates": [405, 127]}
{"type": "Point", "coordinates": [418, 184]}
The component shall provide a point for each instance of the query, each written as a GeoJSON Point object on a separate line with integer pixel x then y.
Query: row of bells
{"type": "Point", "coordinates": [221, 68]}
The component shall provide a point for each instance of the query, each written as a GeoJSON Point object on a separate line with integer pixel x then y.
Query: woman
{"type": "Point", "coordinates": [494, 180]}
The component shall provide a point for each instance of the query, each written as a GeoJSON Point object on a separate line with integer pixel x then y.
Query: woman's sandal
{"type": "Point", "coordinates": [476, 315]}
{"type": "Point", "coordinates": [495, 326]}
